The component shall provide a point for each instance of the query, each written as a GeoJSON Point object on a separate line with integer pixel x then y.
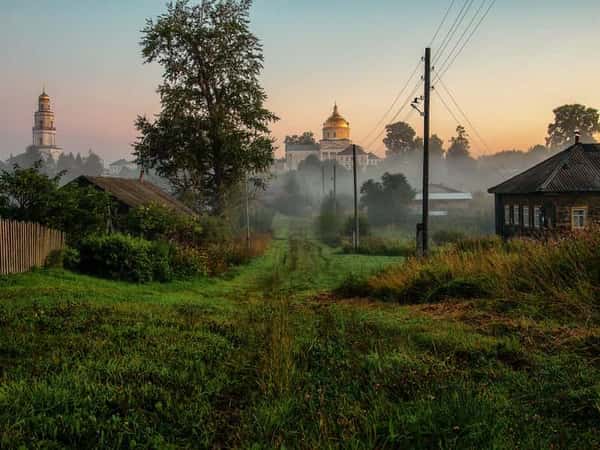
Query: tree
{"type": "Point", "coordinates": [387, 201]}
{"type": "Point", "coordinates": [400, 139]}
{"type": "Point", "coordinates": [93, 165]}
{"type": "Point", "coordinates": [569, 119]}
{"type": "Point", "coordinates": [459, 150]}
{"type": "Point", "coordinates": [213, 127]}
{"type": "Point", "coordinates": [311, 165]}
{"type": "Point", "coordinates": [306, 138]}
{"type": "Point", "coordinates": [436, 148]}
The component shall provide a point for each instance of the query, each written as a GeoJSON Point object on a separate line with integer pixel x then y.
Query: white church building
{"type": "Point", "coordinates": [44, 129]}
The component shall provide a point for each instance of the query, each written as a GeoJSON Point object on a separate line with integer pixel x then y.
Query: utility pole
{"type": "Point", "coordinates": [334, 188]}
{"type": "Point", "coordinates": [356, 230]}
{"type": "Point", "coordinates": [426, 131]}
{"type": "Point", "coordinates": [247, 214]}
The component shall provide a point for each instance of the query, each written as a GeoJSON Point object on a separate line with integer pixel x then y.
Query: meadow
{"type": "Point", "coordinates": [271, 355]}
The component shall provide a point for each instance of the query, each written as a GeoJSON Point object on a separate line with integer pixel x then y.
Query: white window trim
{"type": "Point", "coordinates": [526, 217]}
{"type": "Point", "coordinates": [516, 215]}
{"type": "Point", "coordinates": [585, 217]}
{"type": "Point", "coordinates": [506, 214]}
{"type": "Point", "coordinates": [537, 217]}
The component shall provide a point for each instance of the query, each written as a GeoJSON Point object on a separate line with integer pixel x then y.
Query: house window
{"type": "Point", "coordinates": [537, 216]}
{"type": "Point", "coordinates": [516, 214]}
{"type": "Point", "coordinates": [526, 216]}
{"type": "Point", "coordinates": [578, 217]}
{"type": "Point", "coordinates": [506, 214]}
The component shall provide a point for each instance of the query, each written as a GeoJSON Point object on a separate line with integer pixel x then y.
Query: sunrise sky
{"type": "Point", "coordinates": [528, 57]}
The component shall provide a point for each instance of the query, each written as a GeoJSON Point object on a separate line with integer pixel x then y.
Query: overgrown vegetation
{"type": "Point", "coordinates": [263, 359]}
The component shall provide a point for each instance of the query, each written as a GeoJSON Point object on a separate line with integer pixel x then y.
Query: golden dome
{"type": "Point", "coordinates": [336, 120]}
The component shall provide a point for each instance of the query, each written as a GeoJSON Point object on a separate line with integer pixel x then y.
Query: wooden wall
{"type": "Point", "coordinates": [24, 245]}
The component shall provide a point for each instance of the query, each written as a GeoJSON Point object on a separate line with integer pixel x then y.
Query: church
{"type": "Point", "coordinates": [44, 130]}
{"type": "Point", "coordinates": [335, 145]}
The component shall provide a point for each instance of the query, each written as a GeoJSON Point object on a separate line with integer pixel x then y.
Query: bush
{"type": "Point", "coordinates": [157, 222]}
{"type": "Point", "coordinates": [363, 226]}
{"type": "Point", "coordinates": [188, 262]}
{"type": "Point", "coordinates": [123, 257]}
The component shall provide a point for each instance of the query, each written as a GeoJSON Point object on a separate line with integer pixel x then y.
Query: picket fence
{"type": "Point", "coordinates": [24, 245]}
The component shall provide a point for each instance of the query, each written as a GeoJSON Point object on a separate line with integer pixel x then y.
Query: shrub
{"type": "Point", "coordinates": [188, 262]}
{"type": "Point", "coordinates": [157, 222]}
{"type": "Point", "coordinates": [363, 226]}
{"type": "Point", "coordinates": [55, 259]}
{"type": "Point", "coordinates": [71, 258]}
{"type": "Point", "coordinates": [123, 257]}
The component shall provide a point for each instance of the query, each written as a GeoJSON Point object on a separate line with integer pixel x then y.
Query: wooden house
{"type": "Point", "coordinates": [559, 194]}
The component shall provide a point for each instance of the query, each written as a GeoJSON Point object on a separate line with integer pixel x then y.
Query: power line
{"type": "Point", "coordinates": [466, 29]}
{"type": "Point", "coordinates": [414, 72]}
{"type": "Point", "coordinates": [442, 23]}
{"type": "Point", "coordinates": [464, 115]}
{"type": "Point", "coordinates": [453, 28]}
{"type": "Point", "coordinates": [404, 105]}
{"type": "Point", "coordinates": [445, 69]}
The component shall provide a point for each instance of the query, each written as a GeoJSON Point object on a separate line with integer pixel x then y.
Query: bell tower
{"type": "Point", "coordinates": [44, 130]}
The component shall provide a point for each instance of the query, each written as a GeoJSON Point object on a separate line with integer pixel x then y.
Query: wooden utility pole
{"type": "Point", "coordinates": [247, 214]}
{"type": "Point", "coordinates": [356, 230]}
{"type": "Point", "coordinates": [334, 188]}
{"type": "Point", "coordinates": [426, 120]}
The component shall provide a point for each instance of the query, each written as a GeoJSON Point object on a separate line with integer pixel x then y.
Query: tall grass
{"type": "Point", "coordinates": [562, 272]}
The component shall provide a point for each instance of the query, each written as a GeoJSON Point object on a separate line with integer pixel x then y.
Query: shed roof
{"type": "Point", "coordinates": [576, 169]}
{"type": "Point", "coordinates": [134, 193]}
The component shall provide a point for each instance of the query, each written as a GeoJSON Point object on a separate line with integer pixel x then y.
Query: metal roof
{"type": "Point", "coordinates": [134, 193]}
{"type": "Point", "coordinates": [576, 169]}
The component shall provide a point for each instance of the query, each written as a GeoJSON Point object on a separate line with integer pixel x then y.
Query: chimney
{"type": "Point", "coordinates": [577, 137]}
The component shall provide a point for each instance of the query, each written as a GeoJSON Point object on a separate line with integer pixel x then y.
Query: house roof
{"type": "Point", "coordinates": [576, 169]}
{"type": "Point", "coordinates": [302, 147]}
{"type": "Point", "coordinates": [348, 151]}
{"type": "Point", "coordinates": [373, 155]}
{"type": "Point", "coordinates": [121, 162]}
{"type": "Point", "coordinates": [134, 193]}
{"type": "Point", "coordinates": [441, 192]}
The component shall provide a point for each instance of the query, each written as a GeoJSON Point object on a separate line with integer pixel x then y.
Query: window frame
{"type": "Point", "coordinates": [537, 217]}
{"type": "Point", "coordinates": [526, 217]}
{"type": "Point", "coordinates": [583, 209]}
{"type": "Point", "coordinates": [516, 213]}
{"type": "Point", "coordinates": [506, 214]}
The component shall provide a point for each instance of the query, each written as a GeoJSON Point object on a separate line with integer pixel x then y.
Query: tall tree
{"type": "Point", "coordinates": [387, 201]}
{"type": "Point", "coordinates": [93, 165]}
{"type": "Point", "coordinates": [460, 146]}
{"type": "Point", "coordinates": [213, 126]}
{"type": "Point", "coordinates": [436, 148]}
{"type": "Point", "coordinates": [400, 139]}
{"type": "Point", "coordinates": [571, 118]}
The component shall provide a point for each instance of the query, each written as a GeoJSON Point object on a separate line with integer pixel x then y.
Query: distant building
{"type": "Point", "coordinates": [336, 136]}
{"type": "Point", "coordinates": [561, 193]}
{"type": "Point", "coordinates": [443, 201]}
{"type": "Point", "coordinates": [295, 153]}
{"type": "Point", "coordinates": [116, 168]}
{"type": "Point", "coordinates": [44, 130]}
{"type": "Point", "coordinates": [373, 160]}
{"type": "Point", "coordinates": [345, 158]}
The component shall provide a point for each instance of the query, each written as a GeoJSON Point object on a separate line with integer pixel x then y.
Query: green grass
{"type": "Point", "coordinates": [263, 357]}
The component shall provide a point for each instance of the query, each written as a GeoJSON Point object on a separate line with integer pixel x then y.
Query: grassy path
{"type": "Point", "coordinates": [255, 359]}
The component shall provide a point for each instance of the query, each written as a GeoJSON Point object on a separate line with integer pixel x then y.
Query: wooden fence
{"type": "Point", "coordinates": [24, 245]}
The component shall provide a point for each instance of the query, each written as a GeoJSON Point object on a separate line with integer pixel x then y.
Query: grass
{"type": "Point", "coordinates": [265, 357]}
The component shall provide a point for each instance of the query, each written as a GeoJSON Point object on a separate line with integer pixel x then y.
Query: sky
{"type": "Point", "coordinates": [528, 57]}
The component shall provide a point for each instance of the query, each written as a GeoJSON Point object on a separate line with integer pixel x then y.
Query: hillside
{"type": "Point", "coordinates": [267, 357]}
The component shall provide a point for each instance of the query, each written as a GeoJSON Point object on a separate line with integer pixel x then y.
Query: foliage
{"type": "Point", "coordinates": [254, 360]}
{"type": "Point", "coordinates": [400, 139]}
{"type": "Point", "coordinates": [569, 119]}
{"type": "Point", "coordinates": [122, 257]}
{"type": "Point", "coordinates": [213, 127]}
{"type": "Point", "coordinates": [458, 153]}
{"type": "Point", "coordinates": [154, 222]}
{"type": "Point", "coordinates": [559, 274]}
{"type": "Point", "coordinates": [329, 222]}
{"type": "Point", "coordinates": [373, 245]}
{"type": "Point", "coordinates": [387, 201]}
{"type": "Point", "coordinates": [364, 228]}
{"type": "Point", "coordinates": [29, 195]}
{"type": "Point", "coordinates": [306, 138]}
